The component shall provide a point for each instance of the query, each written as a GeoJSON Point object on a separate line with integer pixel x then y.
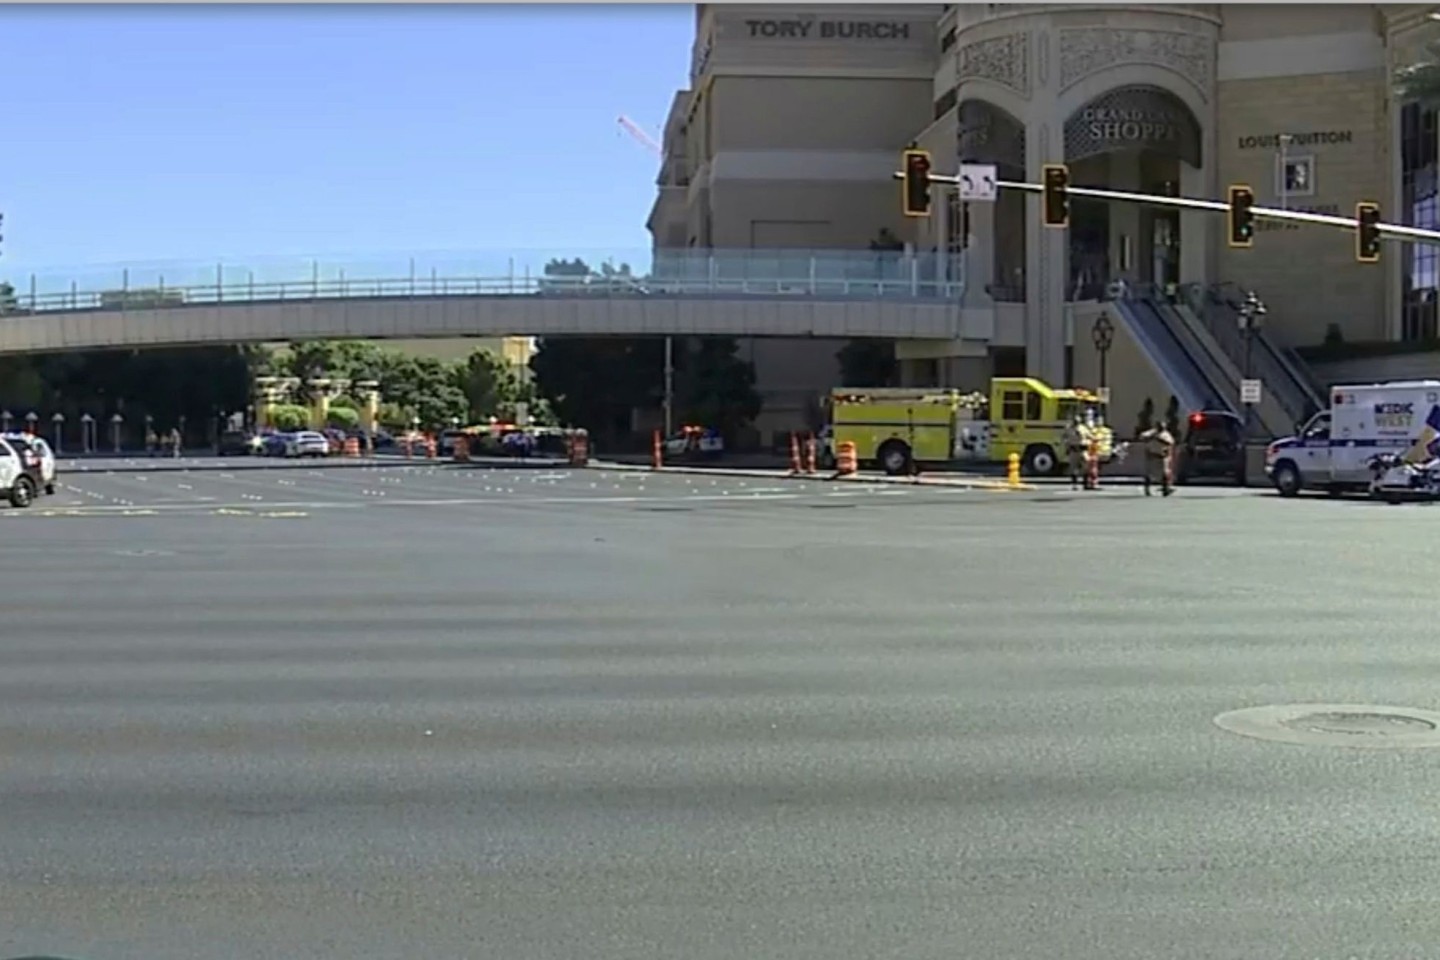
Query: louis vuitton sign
{"type": "Point", "coordinates": [809, 29]}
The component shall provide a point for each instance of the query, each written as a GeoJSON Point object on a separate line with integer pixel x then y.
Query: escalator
{"type": "Point", "coordinates": [1286, 377]}
{"type": "Point", "coordinates": [1191, 337]}
{"type": "Point", "coordinates": [1177, 366]}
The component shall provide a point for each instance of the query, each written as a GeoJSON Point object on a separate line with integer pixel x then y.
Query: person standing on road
{"type": "Point", "coordinates": [1159, 455]}
{"type": "Point", "coordinates": [1091, 433]}
{"type": "Point", "coordinates": [175, 441]}
{"type": "Point", "coordinates": [1075, 445]}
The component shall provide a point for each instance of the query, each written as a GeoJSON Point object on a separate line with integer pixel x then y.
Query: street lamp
{"type": "Point", "coordinates": [1284, 184]}
{"type": "Point", "coordinates": [1102, 334]}
{"type": "Point", "coordinates": [1250, 318]}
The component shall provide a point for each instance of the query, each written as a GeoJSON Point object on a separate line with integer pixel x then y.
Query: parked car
{"type": "Point", "coordinates": [1213, 447]}
{"type": "Point", "coordinates": [239, 443]}
{"type": "Point", "coordinates": [307, 443]}
{"type": "Point", "coordinates": [445, 444]}
{"type": "Point", "coordinates": [275, 444]}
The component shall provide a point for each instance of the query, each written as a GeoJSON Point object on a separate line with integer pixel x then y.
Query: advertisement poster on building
{"type": "Point", "coordinates": [1296, 176]}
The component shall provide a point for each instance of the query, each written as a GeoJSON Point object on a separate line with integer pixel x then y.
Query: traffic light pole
{"type": "Point", "coordinates": [1392, 230]}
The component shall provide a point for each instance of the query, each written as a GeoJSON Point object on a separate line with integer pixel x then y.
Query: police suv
{"type": "Point", "coordinates": [1367, 430]}
{"type": "Point", "coordinates": [19, 479]}
{"type": "Point", "coordinates": [36, 452]}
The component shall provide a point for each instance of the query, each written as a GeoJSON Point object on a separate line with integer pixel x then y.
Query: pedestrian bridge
{"type": "Point", "coordinates": [844, 294]}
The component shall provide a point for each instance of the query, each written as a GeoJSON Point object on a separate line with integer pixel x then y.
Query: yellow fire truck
{"type": "Point", "coordinates": [897, 428]}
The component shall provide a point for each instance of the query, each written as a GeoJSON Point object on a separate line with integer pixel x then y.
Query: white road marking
{"type": "Point", "coordinates": [457, 502]}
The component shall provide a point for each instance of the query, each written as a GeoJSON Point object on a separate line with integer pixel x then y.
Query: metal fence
{"type": "Point", "coordinates": [685, 273]}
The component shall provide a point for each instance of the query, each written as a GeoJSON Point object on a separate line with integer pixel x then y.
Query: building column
{"type": "Point", "coordinates": [1125, 217]}
{"type": "Point", "coordinates": [1046, 262]}
{"type": "Point", "coordinates": [1197, 228]}
{"type": "Point", "coordinates": [369, 396]}
{"type": "Point", "coordinates": [980, 255]}
{"type": "Point", "coordinates": [940, 233]}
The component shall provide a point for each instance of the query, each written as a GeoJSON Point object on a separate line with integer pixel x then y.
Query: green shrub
{"type": "Point", "coordinates": [289, 416]}
{"type": "Point", "coordinates": [394, 417]}
{"type": "Point", "coordinates": [343, 418]}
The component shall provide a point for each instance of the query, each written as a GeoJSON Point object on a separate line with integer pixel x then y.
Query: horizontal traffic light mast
{"type": "Point", "coordinates": [1369, 228]}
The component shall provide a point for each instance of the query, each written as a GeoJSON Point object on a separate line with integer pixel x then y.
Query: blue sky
{"type": "Point", "coordinates": [246, 134]}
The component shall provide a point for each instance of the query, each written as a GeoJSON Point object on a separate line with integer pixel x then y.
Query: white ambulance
{"type": "Point", "coordinates": [1368, 429]}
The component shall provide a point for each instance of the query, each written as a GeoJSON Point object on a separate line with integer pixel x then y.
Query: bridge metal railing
{"type": "Point", "coordinates": [683, 273]}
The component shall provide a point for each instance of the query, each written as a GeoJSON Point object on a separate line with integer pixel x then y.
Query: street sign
{"type": "Point", "coordinates": [1104, 394]}
{"type": "Point", "coordinates": [1250, 391]}
{"type": "Point", "coordinates": [977, 182]}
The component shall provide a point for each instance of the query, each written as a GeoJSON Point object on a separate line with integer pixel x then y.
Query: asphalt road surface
{"type": "Point", "coordinates": [430, 712]}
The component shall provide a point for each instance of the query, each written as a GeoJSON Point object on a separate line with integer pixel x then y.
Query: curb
{"type": "Point", "coordinates": [998, 486]}
{"type": "Point", "coordinates": [145, 465]}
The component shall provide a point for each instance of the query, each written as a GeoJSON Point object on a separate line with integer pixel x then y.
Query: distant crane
{"type": "Point", "coordinates": [636, 131]}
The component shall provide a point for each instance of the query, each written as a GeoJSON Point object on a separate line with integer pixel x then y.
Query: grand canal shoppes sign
{"type": "Point", "coordinates": [1131, 118]}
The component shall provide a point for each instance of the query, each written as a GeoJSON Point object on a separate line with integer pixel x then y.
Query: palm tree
{"type": "Point", "coordinates": [1420, 81]}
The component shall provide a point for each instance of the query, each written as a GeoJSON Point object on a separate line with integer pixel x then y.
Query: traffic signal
{"type": "Point", "coordinates": [1057, 199]}
{"type": "Point", "coordinates": [1242, 221]}
{"type": "Point", "coordinates": [1367, 232]}
{"type": "Point", "coordinates": [916, 184]}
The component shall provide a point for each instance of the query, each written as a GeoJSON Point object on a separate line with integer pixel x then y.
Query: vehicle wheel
{"type": "Point", "coordinates": [1287, 479]}
{"type": "Point", "coordinates": [22, 494]}
{"type": "Point", "coordinates": [50, 489]}
{"type": "Point", "coordinates": [894, 457]}
{"type": "Point", "coordinates": [1040, 461]}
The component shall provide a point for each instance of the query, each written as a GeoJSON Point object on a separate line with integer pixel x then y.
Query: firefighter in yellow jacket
{"type": "Point", "coordinates": [1094, 437]}
{"type": "Point", "coordinates": [1075, 447]}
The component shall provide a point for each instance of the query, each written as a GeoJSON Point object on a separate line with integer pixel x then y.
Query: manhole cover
{"type": "Point", "coordinates": [1336, 724]}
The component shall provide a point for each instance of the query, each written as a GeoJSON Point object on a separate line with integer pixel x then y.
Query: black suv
{"type": "Point", "coordinates": [1214, 447]}
{"type": "Point", "coordinates": [236, 443]}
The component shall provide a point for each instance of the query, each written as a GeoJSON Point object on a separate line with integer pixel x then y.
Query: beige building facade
{"type": "Point", "coordinates": [785, 141]}
{"type": "Point", "coordinates": [795, 118]}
